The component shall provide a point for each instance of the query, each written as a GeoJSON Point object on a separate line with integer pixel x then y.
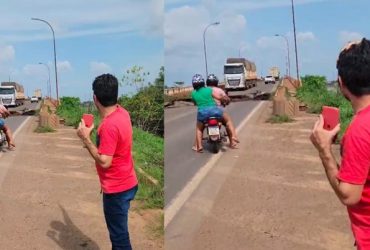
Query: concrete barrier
{"type": "Point", "coordinates": [285, 101]}
{"type": "Point", "coordinates": [47, 115]}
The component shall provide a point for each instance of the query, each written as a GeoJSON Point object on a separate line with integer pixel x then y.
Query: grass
{"type": "Point", "coordinates": [280, 119]}
{"type": "Point", "coordinates": [314, 94]}
{"type": "Point", "coordinates": [44, 129]}
{"type": "Point", "coordinates": [148, 153]}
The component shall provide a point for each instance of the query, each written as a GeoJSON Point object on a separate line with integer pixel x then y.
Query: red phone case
{"type": "Point", "coordinates": [88, 119]}
{"type": "Point", "coordinates": [331, 117]}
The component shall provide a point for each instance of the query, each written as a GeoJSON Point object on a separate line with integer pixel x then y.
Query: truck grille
{"type": "Point", "coordinates": [7, 101]}
{"type": "Point", "coordinates": [234, 82]}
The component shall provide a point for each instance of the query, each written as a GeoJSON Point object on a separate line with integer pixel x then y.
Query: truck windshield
{"type": "Point", "coordinates": [233, 70]}
{"type": "Point", "coordinates": [6, 91]}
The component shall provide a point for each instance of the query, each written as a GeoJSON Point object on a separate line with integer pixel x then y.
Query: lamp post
{"type": "Point", "coordinates": [240, 48]}
{"type": "Point", "coordinates": [55, 55]}
{"type": "Point", "coordinates": [295, 42]}
{"type": "Point", "coordinates": [48, 87]}
{"type": "Point", "coordinates": [204, 44]}
{"type": "Point", "coordinates": [288, 58]}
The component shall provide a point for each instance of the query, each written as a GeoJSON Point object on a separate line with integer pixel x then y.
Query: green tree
{"type": "Point", "coordinates": [146, 106]}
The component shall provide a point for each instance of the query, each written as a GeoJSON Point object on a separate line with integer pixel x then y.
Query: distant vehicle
{"type": "Point", "coordinates": [38, 94]}
{"type": "Point", "coordinates": [12, 94]}
{"type": "Point", "coordinates": [34, 99]}
{"type": "Point", "coordinates": [269, 79]}
{"type": "Point", "coordinates": [275, 72]}
{"type": "Point", "coordinates": [240, 74]}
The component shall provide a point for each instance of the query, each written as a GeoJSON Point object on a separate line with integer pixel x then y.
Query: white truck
{"type": "Point", "coordinates": [8, 95]}
{"type": "Point", "coordinates": [240, 74]}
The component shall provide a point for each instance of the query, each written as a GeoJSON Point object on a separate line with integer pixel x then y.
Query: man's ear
{"type": "Point", "coordinates": [340, 82]}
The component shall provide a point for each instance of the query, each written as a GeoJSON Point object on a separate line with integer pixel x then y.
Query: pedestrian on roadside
{"type": "Point", "coordinates": [113, 159]}
{"type": "Point", "coordinates": [351, 178]}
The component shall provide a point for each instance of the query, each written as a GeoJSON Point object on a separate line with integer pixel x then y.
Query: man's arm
{"type": "Point", "coordinates": [104, 161]}
{"type": "Point", "coordinates": [348, 194]}
{"type": "Point", "coordinates": [84, 133]}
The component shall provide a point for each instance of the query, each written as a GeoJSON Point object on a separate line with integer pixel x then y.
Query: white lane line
{"type": "Point", "coordinates": [177, 203]}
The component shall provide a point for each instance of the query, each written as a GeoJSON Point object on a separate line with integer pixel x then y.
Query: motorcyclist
{"type": "Point", "coordinates": [204, 98]}
{"type": "Point", "coordinates": [4, 113]}
{"type": "Point", "coordinates": [212, 81]}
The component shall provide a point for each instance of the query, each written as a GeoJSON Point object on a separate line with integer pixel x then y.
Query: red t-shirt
{"type": "Point", "coordinates": [354, 169]}
{"type": "Point", "coordinates": [114, 138]}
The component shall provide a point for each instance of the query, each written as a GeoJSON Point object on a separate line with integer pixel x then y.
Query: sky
{"type": "Point", "coordinates": [92, 37]}
{"type": "Point", "coordinates": [323, 27]}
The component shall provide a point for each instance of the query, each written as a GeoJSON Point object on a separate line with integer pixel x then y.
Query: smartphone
{"type": "Point", "coordinates": [331, 117]}
{"type": "Point", "coordinates": [88, 119]}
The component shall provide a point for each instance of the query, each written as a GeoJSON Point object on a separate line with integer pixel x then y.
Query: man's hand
{"type": "Point", "coordinates": [84, 132]}
{"type": "Point", "coordinates": [322, 138]}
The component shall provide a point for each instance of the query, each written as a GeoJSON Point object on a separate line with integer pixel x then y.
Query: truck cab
{"type": "Point", "coordinates": [235, 76]}
{"type": "Point", "coordinates": [8, 95]}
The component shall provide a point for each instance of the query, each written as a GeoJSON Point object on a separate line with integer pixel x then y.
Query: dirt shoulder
{"type": "Point", "coordinates": [50, 197]}
{"type": "Point", "coordinates": [272, 193]}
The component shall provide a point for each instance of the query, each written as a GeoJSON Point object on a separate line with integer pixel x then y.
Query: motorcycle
{"type": "Point", "coordinates": [215, 136]}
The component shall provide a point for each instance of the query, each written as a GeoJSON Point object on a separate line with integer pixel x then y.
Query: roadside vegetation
{"type": "Point", "coordinates": [315, 94]}
{"type": "Point", "coordinates": [147, 115]}
{"type": "Point", "coordinates": [280, 119]}
{"type": "Point", "coordinates": [44, 129]}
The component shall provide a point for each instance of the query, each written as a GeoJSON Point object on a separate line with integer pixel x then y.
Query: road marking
{"type": "Point", "coordinates": [178, 202]}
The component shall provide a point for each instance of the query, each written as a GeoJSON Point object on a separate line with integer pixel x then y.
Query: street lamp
{"type": "Point", "coordinates": [287, 45]}
{"type": "Point", "coordinates": [55, 54]}
{"type": "Point", "coordinates": [240, 48]}
{"type": "Point", "coordinates": [48, 87]}
{"type": "Point", "coordinates": [295, 42]}
{"type": "Point", "coordinates": [204, 43]}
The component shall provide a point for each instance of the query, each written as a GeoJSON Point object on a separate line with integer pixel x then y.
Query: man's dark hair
{"type": "Point", "coordinates": [105, 89]}
{"type": "Point", "coordinates": [354, 68]}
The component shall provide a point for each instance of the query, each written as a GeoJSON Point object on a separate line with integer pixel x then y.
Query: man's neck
{"type": "Point", "coordinates": [105, 111]}
{"type": "Point", "coordinates": [359, 103]}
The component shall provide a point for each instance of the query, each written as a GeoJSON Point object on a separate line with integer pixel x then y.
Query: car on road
{"type": "Point", "coordinates": [34, 99]}
{"type": "Point", "coordinates": [269, 79]}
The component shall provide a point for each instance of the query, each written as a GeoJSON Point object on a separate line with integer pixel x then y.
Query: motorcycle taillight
{"type": "Point", "coordinates": [213, 122]}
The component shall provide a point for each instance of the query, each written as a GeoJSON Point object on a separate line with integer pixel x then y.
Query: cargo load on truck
{"type": "Point", "coordinates": [38, 94]}
{"type": "Point", "coordinates": [275, 72]}
{"type": "Point", "coordinates": [240, 74]}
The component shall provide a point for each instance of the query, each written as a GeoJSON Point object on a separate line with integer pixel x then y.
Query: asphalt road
{"type": "Point", "coordinates": [15, 121]}
{"type": "Point", "coordinates": [180, 161]}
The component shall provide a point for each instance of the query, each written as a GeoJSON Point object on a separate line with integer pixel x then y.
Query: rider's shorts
{"type": "Point", "coordinates": [207, 112]}
{"type": "Point", "coordinates": [2, 123]}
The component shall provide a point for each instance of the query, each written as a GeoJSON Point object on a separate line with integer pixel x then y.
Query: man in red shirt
{"type": "Point", "coordinates": [351, 180]}
{"type": "Point", "coordinates": [113, 158]}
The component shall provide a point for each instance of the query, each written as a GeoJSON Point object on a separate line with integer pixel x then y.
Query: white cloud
{"type": "Point", "coordinates": [268, 42]}
{"type": "Point", "coordinates": [34, 70]}
{"type": "Point", "coordinates": [306, 36]}
{"type": "Point", "coordinates": [98, 68]}
{"type": "Point", "coordinates": [184, 53]}
{"type": "Point", "coordinates": [7, 53]}
{"type": "Point", "coordinates": [349, 36]}
{"type": "Point", "coordinates": [97, 17]}
{"type": "Point", "coordinates": [64, 66]}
